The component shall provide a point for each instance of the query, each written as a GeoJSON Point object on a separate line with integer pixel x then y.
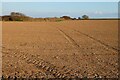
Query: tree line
{"type": "Point", "coordinates": [79, 18]}
{"type": "Point", "coordinates": [16, 16]}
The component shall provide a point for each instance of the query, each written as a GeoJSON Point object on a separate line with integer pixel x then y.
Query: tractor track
{"type": "Point", "coordinates": [99, 41]}
{"type": "Point", "coordinates": [79, 32]}
{"type": "Point", "coordinates": [46, 67]}
{"type": "Point", "coordinates": [49, 69]}
{"type": "Point", "coordinates": [70, 40]}
{"type": "Point", "coordinates": [96, 63]}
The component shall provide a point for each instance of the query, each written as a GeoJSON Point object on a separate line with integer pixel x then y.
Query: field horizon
{"type": "Point", "coordinates": [17, 16]}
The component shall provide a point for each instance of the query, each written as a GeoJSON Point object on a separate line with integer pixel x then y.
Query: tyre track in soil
{"type": "Point", "coordinates": [17, 54]}
{"type": "Point", "coordinates": [96, 63]}
{"type": "Point", "coordinates": [68, 38]}
{"type": "Point", "coordinates": [73, 43]}
{"type": "Point", "coordinates": [47, 68]}
{"type": "Point", "coordinates": [100, 42]}
{"type": "Point", "coordinates": [106, 45]}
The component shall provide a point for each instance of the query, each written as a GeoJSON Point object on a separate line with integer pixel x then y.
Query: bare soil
{"type": "Point", "coordinates": [67, 49]}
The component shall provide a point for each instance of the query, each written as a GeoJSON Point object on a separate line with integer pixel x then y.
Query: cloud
{"type": "Point", "coordinates": [99, 12]}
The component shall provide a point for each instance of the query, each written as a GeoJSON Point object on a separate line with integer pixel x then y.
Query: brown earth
{"type": "Point", "coordinates": [70, 49]}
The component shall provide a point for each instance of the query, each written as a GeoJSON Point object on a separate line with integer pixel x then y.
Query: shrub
{"type": "Point", "coordinates": [85, 17]}
{"type": "Point", "coordinates": [18, 20]}
{"type": "Point", "coordinates": [58, 20]}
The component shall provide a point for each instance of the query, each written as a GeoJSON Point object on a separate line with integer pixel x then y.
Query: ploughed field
{"type": "Point", "coordinates": [66, 49]}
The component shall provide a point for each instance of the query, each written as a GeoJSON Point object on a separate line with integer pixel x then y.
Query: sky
{"type": "Point", "coordinates": [60, 0]}
{"type": "Point", "coordinates": [58, 9]}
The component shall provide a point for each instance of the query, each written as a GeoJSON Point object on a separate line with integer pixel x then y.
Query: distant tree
{"type": "Point", "coordinates": [66, 17]}
{"type": "Point", "coordinates": [6, 18]}
{"type": "Point", "coordinates": [85, 17]}
{"type": "Point", "coordinates": [17, 14]}
{"type": "Point", "coordinates": [79, 18]}
{"type": "Point", "coordinates": [73, 18]}
{"type": "Point", "coordinates": [0, 18]}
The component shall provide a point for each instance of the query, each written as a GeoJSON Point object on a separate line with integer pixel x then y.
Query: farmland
{"type": "Point", "coordinates": [66, 49]}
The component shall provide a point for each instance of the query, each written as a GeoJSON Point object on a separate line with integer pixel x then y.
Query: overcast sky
{"type": "Point", "coordinates": [57, 9]}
